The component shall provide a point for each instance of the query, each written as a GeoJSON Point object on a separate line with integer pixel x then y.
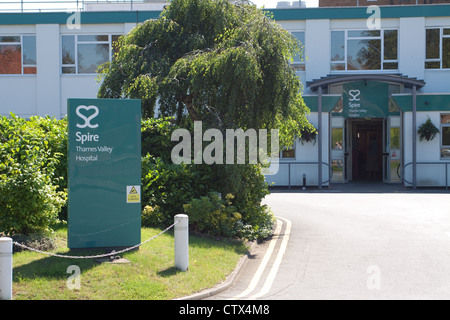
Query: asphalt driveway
{"type": "Point", "coordinates": [351, 244]}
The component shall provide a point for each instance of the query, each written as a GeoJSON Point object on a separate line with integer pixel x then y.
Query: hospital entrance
{"type": "Point", "coordinates": [365, 149]}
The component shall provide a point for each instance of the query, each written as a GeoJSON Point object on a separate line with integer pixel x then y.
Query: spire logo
{"type": "Point", "coordinates": [87, 120]}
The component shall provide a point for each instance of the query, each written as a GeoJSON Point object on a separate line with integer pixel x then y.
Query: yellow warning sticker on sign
{"type": "Point", "coordinates": [133, 194]}
{"type": "Point", "coordinates": [133, 190]}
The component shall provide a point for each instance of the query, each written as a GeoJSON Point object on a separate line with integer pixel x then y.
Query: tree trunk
{"type": "Point", "coordinates": [190, 108]}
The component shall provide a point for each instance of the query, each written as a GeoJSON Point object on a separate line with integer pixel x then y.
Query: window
{"type": "Point", "coordinates": [288, 153]}
{"type": "Point", "coordinates": [445, 135]}
{"type": "Point", "coordinates": [338, 171]}
{"type": "Point", "coordinates": [337, 136]}
{"type": "Point", "coordinates": [337, 149]}
{"type": "Point", "coordinates": [18, 54]}
{"type": "Point", "coordinates": [437, 52]}
{"type": "Point", "coordinates": [395, 138]}
{"type": "Point", "coordinates": [83, 54]}
{"type": "Point", "coordinates": [299, 59]}
{"type": "Point", "coordinates": [364, 50]}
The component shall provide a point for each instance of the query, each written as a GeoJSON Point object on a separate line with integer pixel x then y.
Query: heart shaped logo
{"type": "Point", "coordinates": [87, 119]}
{"type": "Point", "coordinates": [355, 94]}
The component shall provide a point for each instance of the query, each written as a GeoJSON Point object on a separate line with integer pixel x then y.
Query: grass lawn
{"type": "Point", "coordinates": [150, 275]}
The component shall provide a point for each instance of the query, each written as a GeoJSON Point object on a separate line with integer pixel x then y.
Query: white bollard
{"type": "Point", "coordinates": [181, 235]}
{"type": "Point", "coordinates": [5, 268]}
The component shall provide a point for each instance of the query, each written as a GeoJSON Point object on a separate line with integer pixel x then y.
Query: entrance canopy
{"type": "Point", "coordinates": [354, 98]}
{"type": "Point", "coordinates": [406, 81]}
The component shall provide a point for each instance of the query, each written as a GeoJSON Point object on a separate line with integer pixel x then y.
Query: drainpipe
{"type": "Point", "coordinates": [414, 137]}
{"type": "Point", "coordinates": [319, 112]}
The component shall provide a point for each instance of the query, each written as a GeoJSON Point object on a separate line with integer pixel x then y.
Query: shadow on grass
{"type": "Point", "coordinates": [205, 241]}
{"type": "Point", "coordinates": [171, 271]}
{"type": "Point", "coordinates": [53, 267]}
{"type": "Point", "coordinates": [56, 267]}
{"type": "Point", "coordinates": [199, 240]}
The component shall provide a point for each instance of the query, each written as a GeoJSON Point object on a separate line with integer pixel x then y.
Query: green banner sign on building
{"type": "Point", "coordinates": [366, 99]}
{"type": "Point", "coordinates": [104, 182]}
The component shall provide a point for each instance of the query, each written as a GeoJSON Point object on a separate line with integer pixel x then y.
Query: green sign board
{"type": "Point", "coordinates": [366, 99]}
{"type": "Point", "coordinates": [104, 184]}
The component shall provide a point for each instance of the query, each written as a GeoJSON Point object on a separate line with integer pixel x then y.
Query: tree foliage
{"type": "Point", "coordinates": [226, 65]}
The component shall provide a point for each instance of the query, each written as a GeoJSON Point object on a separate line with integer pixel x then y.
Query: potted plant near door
{"type": "Point", "coordinates": [427, 130]}
{"type": "Point", "coordinates": [308, 134]}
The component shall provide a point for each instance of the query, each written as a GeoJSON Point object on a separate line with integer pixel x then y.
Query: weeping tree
{"type": "Point", "coordinates": [227, 65]}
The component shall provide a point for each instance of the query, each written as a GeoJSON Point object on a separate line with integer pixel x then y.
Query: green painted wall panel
{"type": "Point", "coordinates": [86, 17]}
{"type": "Point", "coordinates": [436, 10]}
{"type": "Point", "coordinates": [424, 102]}
{"type": "Point", "coordinates": [328, 102]}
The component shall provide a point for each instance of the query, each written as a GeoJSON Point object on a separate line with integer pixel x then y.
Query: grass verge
{"type": "Point", "coordinates": [151, 275]}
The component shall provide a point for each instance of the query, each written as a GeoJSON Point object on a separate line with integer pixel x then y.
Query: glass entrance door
{"type": "Point", "coordinates": [364, 147]}
{"type": "Point", "coordinates": [392, 153]}
{"type": "Point", "coordinates": [337, 150]}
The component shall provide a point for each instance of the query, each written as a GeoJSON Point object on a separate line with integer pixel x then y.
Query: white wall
{"type": "Point", "coordinates": [48, 86]}
{"type": "Point", "coordinates": [427, 151]}
{"type": "Point", "coordinates": [437, 81]}
{"type": "Point", "coordinates": [18, 95]}
{"type": "Point", "coordinates": [412, 47]}
{"type": "Point", "coordinates": [306, 152]}
{"type": "Point", "coordinates": [317, 48]}
{"type": "Point", "coordinates": [77, 86]}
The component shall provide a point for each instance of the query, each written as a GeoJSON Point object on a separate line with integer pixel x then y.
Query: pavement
{"type": "Point", "coordinates": [355, 241]}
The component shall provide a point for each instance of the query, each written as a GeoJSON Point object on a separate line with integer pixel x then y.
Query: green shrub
{"type": "Point", "coordinates": [156, 137]}
{"type": "Point", "coordinates": [32, 161]}
{"type": "Point", "coordinates": [169, 186]}
{"type": "Point", "coordinates": [260, 227]}
{"type": "Point", "coordinates": [212, 215]}
{"type": "Point", "coordinates": [247, 183]}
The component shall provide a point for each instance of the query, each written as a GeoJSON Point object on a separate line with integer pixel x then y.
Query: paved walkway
{"type": "Point", "coordinates": [353, 244]}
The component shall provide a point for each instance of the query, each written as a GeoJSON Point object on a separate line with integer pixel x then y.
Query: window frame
{"type": "Point", "coordinates": [23, 66]}
{"type": "Point", "coordinates": [300, 65]}
{"type": "Point", "coordinates": [77, 42]}
{"type": "Point", "coordinates": [441, 48]}
{"type": "Point", "coordinates": [383, 61]}
{"type": "Point", "coordinates": [293, 148]}
{"type": "Point", "coordinates": [441, 145]}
